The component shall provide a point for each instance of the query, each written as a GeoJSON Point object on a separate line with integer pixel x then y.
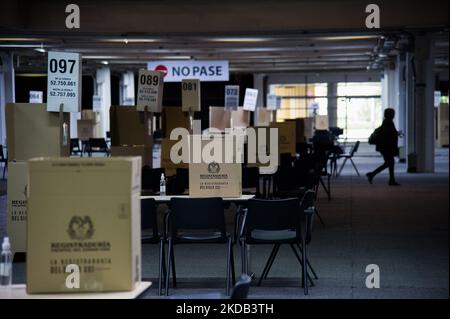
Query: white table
{"type": "Point", "coordinates": [19, 292]}
{"type": "Point", "coordinates": [166, 198]}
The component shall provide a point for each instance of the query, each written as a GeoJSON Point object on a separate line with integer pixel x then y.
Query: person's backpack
{"type": "Point", "coordinates": [374, 138]}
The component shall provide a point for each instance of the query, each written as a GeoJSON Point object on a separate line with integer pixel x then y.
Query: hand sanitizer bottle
{"type": "Point", "coordinates": [162, 185]}
{"type": "Point", "coordinates": [6, 264]}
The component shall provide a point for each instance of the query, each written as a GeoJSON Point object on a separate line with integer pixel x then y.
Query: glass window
{"type": "Point", "coordinates": [359, 109]}
{"type": "Point", "coordinates": [301, 100]}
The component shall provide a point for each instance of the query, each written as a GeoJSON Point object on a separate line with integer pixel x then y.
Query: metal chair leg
{"type": "Point", "coordinates": [233, 271]}
{"type": "Point", "coordinates": [300, 260]}
{"type": "Point", "coordinates": [269, 262]}
{"type": "Point", "coordinates": [342, 166]}
{"type": "Point", "coordinates": [320, 217]}
{"type": "Point", "coordinates": [327, 191]}
{"type": "Point", "coordinates": [305, 271]}
{"type": "Point", "coordinates": [273, 259]}
{"type": "Point", "coordinates": [228, 267]}
{"type": "Point", "coordinates": [161, 265]}
{"type": "Point", "coordinates": [354, 166]}
{"type": "Point", "coordinates": [309, 264]}
{"type": "Point", "coordinates": [174, 276]}
{"type": "Point", "coordinates": [168, 267]}
{"type": "Point", "coordinates": [243, 247]}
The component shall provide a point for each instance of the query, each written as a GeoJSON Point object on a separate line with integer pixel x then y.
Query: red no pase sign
{"type": "Point", "coordinates": [205, 70]}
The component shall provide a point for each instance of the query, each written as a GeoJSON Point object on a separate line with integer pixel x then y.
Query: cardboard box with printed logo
{"type": "Point", "coordinates": [215, 179]}
{"type": "Point", "coordinates": [17, 205]}
{"type": "Point", "coordinates": [83, 212]}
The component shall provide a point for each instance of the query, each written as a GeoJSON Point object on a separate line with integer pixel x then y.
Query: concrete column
{"type": "Point", "coordinates": [102, 97]}
{"type": "Point", "coordinates": [389, 89]}
{"type": "Point", "coordinates": [126, 94]}
{"type": "Point", "coordinates": [410, 139]}
{"type": "Point", "coordinates": [7, 89]}
{"type": "Point", "coordinates": [421, 113]}
{"type": "Point", "coordinates": [259, 83]}
{"type": "Point", "coordinates": [332, 103]}
{"type": "Point", "coordinates": [401, 104]}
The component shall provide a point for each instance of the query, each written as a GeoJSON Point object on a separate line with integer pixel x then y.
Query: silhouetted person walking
{"type": "Point", "coordinates": [386, 140]}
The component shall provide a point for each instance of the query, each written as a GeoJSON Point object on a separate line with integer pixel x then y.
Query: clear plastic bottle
{"type": "Point", "coordinates": [162, 185]}
{"type": "Point", "coordinates": [6, 264]}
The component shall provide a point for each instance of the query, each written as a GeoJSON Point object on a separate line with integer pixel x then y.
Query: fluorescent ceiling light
{"type": "Point", "coordinates": [19, 46]}
{"type": "Point", "coordinates": [40, 49]}
{"type": "Point", "coordinates": [105, 62]}
{"type": "Point", "coordinates": [128, 40]}
{"type": "Point", "coordinates": [175, 57]}
{"type": "Point", "coordinates": [348, 37]}
{"type": "Point", "coordinates": [21, 39]}
{"type": "Point", "coordinates": [238, 39]}
{"type": "Point", "coordinates": [101, 57]}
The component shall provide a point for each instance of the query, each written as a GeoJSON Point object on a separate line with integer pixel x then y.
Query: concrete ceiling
{"type": "Point", "coordinates": [255, 36]}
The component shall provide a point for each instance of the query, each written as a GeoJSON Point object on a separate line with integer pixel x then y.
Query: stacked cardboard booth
{"type": "Point", "coordinates": [31, 132]}
{"type": "Point", "coordinates": [130, 133]}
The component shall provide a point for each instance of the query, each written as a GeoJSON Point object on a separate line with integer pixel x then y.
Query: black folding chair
{"type": "Point", "coordinates": [151, 235]}
{"type": "Point", "coordinates": [349, 156]}
{"type": "Point", "coordinates": [279, 222]}
{"type": "Point", "coordinates": [4, 160]}
{"type": "Point", "coordinates": [98, 145]}
{"type": "Point", "coordinates": [75, 148]}
{"type": "Point", "coordinates": [197, 221]}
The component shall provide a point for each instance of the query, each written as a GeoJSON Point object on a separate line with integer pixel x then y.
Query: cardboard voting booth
{"type": "Point", "coordinates": [92, 207]}
{"type": "Point", "coordinates": [286, 137]}
{"type": "Point", "coordinates": [304, 128]}
{"type": "Point", "coordinates": [219, 117]}
{"type": "Point", "coordinates": [263, 116]}
{"type": "Point", "coordinates": [215, 179]}
{"type": "Point", "coordinates": [322, 122]}
{"type": "Point", "coordinates": [89, 125]}
{"type": "Point", "coordinates": [219, 175]}
{"type": "Point", "coordinates": [166, 163]}
{"type": "Point", "coordinates": [173, 117]}
{"type": "Point", "coordinates": [130, 133]}
{"type": "Point", "coordinates": [85, 129]}
{"type": "Point", "coordinates": [32, 131]}
{"type": "Point", "coordinates": [240, 118]}
{"type": "Point", "coordinates": [17, 205]}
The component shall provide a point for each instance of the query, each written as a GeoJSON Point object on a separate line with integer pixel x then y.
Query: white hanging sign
{"type": "Point", "coordinates": [190, 96]}
{"type": "Point", "coordinates": [150, 91]}
{"type": "Point", "coordinates": [273, 102]}
{"type": "Point", "coordinates": [64, 81]}
{"type": "Point", "coordinates": [251, 96]}
{"type": "Point", "coordinates": [231, 97]}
